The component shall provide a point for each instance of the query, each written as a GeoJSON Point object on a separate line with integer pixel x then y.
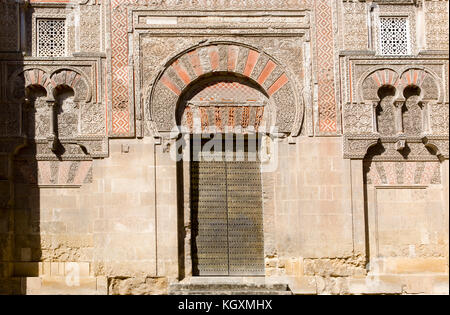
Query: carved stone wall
{"type": "Point", "coordinates": [361, 151]}
{"type": "Point", "coordinates": [9, 26]}
{"type": "Point", "coordinates": [256, 65]}
{"type": "Point", "coordinates": [436, 21]}
{"type": "Point", "coordinates": [401, 173]}
{"type": "Point", "coordinates": [67, 106]}
{"type": "Point", "coordinates": [91, 27]}
{"type": "Point", "coordinates": [386, 116]}
{"type": "Point", "coordinates": [358, 118]}
{"type": "Point", "coordinates": [355, 25]}
{"type": "Point", "coordinates": [412, 116]}
{"type": "Point", "coordinates": [403, 98]}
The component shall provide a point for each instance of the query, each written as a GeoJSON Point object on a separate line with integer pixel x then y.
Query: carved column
{"type": "Point", "coordinates": [398, 117]}
{"type": "Point", "coordinates": [52, 134]}
{"type": "Point", "coordinates": [374, 117]}
{"type": "Point", "coordinates": [425, 117]}
{"type": "Point", "coordinates": [24, 123]}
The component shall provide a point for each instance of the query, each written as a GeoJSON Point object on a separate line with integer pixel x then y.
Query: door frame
{"type": "Point", "coordinates": [184, 209]}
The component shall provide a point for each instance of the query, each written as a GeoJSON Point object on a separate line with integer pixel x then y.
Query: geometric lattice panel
{"type": "Point", "coordinates": [325, 64]}
{"type": "Point", "coordinates": [119, 67]}
{"type": "Point", "coordinates": [51, 37]}
{"type": "Point", "coordinates": [394, 36]}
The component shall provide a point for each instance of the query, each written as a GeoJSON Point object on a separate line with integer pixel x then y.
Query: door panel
{"type": "Point", "coordinates": [227, 218]}
{"type": "Point", "coordinates": [210, 226]}
{"type": "Point", "coordinates": [245, 222]}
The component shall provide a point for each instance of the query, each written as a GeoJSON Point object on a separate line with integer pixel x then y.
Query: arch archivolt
{"type": "Point", "coordinates": [372, 80]}
{"type": "Point", "coordinates": [50, 80]}
{"type": "Point", "coordinates": [225, 65]}
{"type": "Point", "coordinates": [73, 79]}
{"type": "Point", "coordinates": [399, 101]}
{"type": "Point", "coordinates": [55, 105]}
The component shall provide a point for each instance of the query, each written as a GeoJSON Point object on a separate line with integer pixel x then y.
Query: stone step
{"type": "Point", "coordinates": [228, 287]}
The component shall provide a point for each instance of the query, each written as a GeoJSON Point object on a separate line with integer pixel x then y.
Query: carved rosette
{"type": "Point", "coordinates": [358, 118]}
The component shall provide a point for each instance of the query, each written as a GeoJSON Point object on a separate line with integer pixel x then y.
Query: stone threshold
{"type": "Point", "coordinates": [230, 286]}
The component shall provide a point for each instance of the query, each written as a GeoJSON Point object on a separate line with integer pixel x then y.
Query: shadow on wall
{"type": "Point", "coordinates": [21, 108]}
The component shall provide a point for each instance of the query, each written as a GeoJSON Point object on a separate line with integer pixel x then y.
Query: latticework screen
{"type": "Point", "coordinates": [51, 39]}
{"type": "Point", "coordinates": [394, 36]}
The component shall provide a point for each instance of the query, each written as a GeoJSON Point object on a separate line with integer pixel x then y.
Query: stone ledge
{"type": "Point", "coordinates": [55, 285]}
{"type": "Point", "coordinates": [47, 269]}
{"type": "Point", "coordinates": [400, 284]}
{"type": "Point", "coordinates": [229, 285]}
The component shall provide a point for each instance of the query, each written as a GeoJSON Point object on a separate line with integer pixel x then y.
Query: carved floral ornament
{"type": "Point", "coordinates": [397, 112]}
{"type": "Point", "coordinates": [224, 65]}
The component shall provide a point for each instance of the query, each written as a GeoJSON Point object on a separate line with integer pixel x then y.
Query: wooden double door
{"type": "Point", "coordinates": [227, 216]}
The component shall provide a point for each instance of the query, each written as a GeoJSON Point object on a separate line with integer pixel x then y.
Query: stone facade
{"type": "Point", "coordinates": [355, 177]}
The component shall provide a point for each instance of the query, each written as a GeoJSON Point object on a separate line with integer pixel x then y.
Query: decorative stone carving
{"type": "Point", "coordinates": [424, 80]}
{"type": "Point", "coordinates": [222, 58]}
{"type": "Point", "coordinates": [73, 79]}
{"type": "Point", "coordinates": [33, 76]}
{"type": "Point", "coordinates": [67, 116]}
{"type": "Point", "coordinates": [94, 146]}
{"type": "Point", "coordinates": [440, 118]}
{"type": "Point", "coordinates": [226, 106]}
{"type": "Point", "coordinates": [394, 37]}
{"type": "Point", "coordinates": [386, 116]}
{"type": "Point", "coordinates": [73, 150]}
{"type": "Point", "coordinates": [408, 108]}
{"type": "Point", "coordinates": [8, 29]}
{"type": "Point", "coordinates": [436, 24]}
{"type": "Point", "coordinates": [38, 123]}
{"type": "Point", "coordinates": [402, 173]}
{"type": "Point", "coordinates": [412, 116]}
{"type": "Point", "coordinates": [89, 28]}
{"type": "Point", "coordinates": [377, 79]}
{"type": "Point", "coordinates": [358, 118]}
{"type": "Point", "coordinates": [53, 102]}
{"type": "Point", "coordinates": [395, 148]}
{"type": "Point", "coordinates": [355, 147]}
{"type": "Point", "coordinates": [438, 145]}
{"type": "Point", "coordinates": [218, 4]}
{"type": "Point", "coordinates": [413, 150]}
{"type": "Point", "coordinates": [51, 37]}
{"type": "Point", "coordinates": [53, 173]}
{"type": "Point", "coordinates": [355, 25]}
{"type": "Point", "coordinates": [92, 119]}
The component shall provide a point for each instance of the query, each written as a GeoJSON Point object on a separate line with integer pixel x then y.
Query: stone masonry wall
{"type": "Point", "coordinates": [91, 201]}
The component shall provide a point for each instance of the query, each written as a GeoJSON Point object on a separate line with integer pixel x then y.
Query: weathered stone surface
{"type": "Point", "coordinates": [92, 200]}
{"type": "Point", "coordinates": [136, 286]}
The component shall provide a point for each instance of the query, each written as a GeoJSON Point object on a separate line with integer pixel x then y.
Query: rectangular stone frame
{"type": "Point", "coordinates": [268, 189]}
{"type": "Point", "coordinates": [134, 30]}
